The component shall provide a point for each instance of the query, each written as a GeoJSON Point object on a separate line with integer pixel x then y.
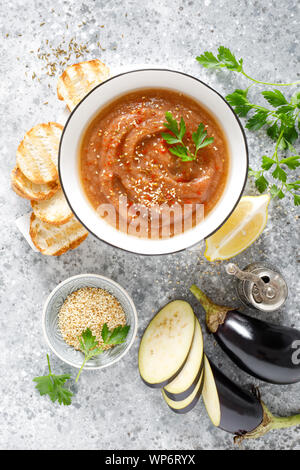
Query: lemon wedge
{"type": "Point", "coordinates": [243, 227]}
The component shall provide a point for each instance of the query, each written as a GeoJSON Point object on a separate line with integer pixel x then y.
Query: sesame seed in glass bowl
{"type": "Point", "coordinates": [87, 301]}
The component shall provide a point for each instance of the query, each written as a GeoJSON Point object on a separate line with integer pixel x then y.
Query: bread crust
{"type": "Point", "coordinates": [32, 191]}
{"type": "Point", "coordinates": [56, 240]}
{"type": "Point", "coordinates": [37, 153]}
{"type": "Point", "coordinates": [79, 79]}
{"type": "Point", "coordinates": [54, 211]}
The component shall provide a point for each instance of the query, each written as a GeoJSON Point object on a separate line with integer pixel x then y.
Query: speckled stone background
{"type": "Point", "coordinates": [113, 409]}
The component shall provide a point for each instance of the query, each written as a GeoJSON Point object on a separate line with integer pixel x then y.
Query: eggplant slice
{"type": "Point", "coordinates": [210, 395]}
{"type": "Point", "coordinates": [166, 343]}
{"type": "Point", "coordinates": [186, 405]}
{"type": "Point", "coordinates": [240, 411]}
{"type": "Point", "coordinates": [186, 381]}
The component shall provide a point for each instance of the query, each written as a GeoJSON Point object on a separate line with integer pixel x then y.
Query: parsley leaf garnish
{"type": "Point", "coordinates": [291, 162]}
{"type": "Point", "coordinates": [276, 192]}
{"type": "Point", "coordinates": [267, 162]}
{"type": "Point", "coordinates": [199, 138]}
{"type": "Point", "coordinates": [238, 99]}
{"type": "Point", "coordinates": [297, 199]}
{"type": "Point", "coordinates": [258, 120]}
{"type": "Point", "coordinates": [228, 60]}
{"type": "Point", "coordinates": [225, 58]}
{"type": "Point", "coordinates": [53, 385]}
{"type": "Point", "coordinates": [89, 344]}
{"type": "Point", "coordinates": [275, 98]}
{"type": "Point", "coordinates": [116, 336]}
{"type": "Point", "coordinates": [209, 61]}
{"type": "Point", "coordinates": [281, 123]}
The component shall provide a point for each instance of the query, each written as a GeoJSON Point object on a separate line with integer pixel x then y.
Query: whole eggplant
{"type": "Point", "coordinates": [264, 350]}
{"type": "Point", "coordinates": [243, 413]}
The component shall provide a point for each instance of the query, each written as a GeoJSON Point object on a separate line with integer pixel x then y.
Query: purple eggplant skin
{"type": "Point", "coordinates": [261, 349]}
{"type": "Point", "coordinates": [192, 405]}
{"type": "Point", "coordinates": [245, 414]}
{"type": "Point", "coordinates": [241, 411]}
{"type": "Point", "coordinates": [186, 393]}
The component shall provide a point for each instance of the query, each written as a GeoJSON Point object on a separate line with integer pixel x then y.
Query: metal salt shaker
{"type": "Point", "coordinates": [260, 285]}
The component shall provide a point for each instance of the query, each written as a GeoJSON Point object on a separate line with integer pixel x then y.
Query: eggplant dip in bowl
{"type": "Point", "coordinates": [152, 168]}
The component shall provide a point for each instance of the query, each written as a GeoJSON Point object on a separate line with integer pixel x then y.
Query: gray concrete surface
{"type": "Point", "coordinates": [113, 409]}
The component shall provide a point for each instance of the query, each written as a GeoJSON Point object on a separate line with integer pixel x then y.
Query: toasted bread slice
{"type": "Point", "coordinates": [37, 154]}
{"type": "Point", "coordinates": [78, 79]}
{"type": "Point", "coordinates": [54, 241]}
{"type": "Point", "coordinates": [54, 211]}
{"type": "Point", "coordinates": [35, 192]}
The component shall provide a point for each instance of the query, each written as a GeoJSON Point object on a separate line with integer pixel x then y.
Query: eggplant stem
{"type": "Point", "coordinates": [215, 314]}
{"type": "Point", "coordinates": [269, 423]}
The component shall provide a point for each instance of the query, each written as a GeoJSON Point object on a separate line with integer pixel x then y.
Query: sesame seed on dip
{"type": "Point", "coordinates": [124, 157]}
{"type": "Point", "coordinates": [89, 307]}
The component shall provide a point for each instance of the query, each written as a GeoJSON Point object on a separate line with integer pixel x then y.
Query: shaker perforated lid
{"type": "Point", "coordinates": [260, 285]}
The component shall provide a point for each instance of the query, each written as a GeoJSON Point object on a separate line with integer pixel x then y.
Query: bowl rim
{"type": "Point", "coordinates": [98, 276]}
{"type": "Point", "coordinates": [161, 69]}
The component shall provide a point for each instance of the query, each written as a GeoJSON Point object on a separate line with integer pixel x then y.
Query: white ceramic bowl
{"type": "Point", "coordinates": [53, 335]}
{"type": "Point", "coordinates": [127, 82]}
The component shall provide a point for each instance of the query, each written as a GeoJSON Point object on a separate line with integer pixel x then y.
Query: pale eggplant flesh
{"type": "Point", "coordinates": [187, 404]}
{"type": "Point", "coordinates": [166, 343]}
{"type": "Point", "coordinates": [183, 395]}
{"type": "Point", "coordinates": [186, 381]}
{"type": "Point", "coordinates": [261, 349]}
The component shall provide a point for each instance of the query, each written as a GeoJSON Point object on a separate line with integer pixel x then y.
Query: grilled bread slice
{"type": "Point", "coordinates": [28, 190]}
{"type": "Point", "coordinates": [54, 241]}
{"type": "Point", "coordinates": [79, 79]}
{"type": "Point", "coordinates": [37, 154]}
{"type": "Point", "coordinates": [54, 211]}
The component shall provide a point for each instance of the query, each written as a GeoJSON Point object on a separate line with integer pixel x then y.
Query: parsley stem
{"type": "Point", "coordinates": [268, 83]}
{"type": "Point", "coordinates": [81, 368]}
{"type": "Point", "coordinates": [49, 367]}
{"type": "Point", "coordinates": [277, 145]}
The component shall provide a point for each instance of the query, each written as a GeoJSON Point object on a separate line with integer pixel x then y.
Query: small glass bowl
{"type": "Point", "coordinates": [52, 332]}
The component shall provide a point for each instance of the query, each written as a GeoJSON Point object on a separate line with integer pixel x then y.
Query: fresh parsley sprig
{"type": "Point", "coordinates": [199, 137]}
{"type": "Point", "coordinates": [53, 385]}
{"type": "Point", "coordinates": [281, 123]}
{"type": "Point", "coordinates": [284, 115]}
{"type": "Point", "coordinates": [226, 59]}
{"type": "Point", "coordinates": [89, 345]}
